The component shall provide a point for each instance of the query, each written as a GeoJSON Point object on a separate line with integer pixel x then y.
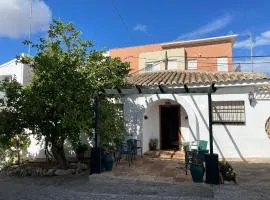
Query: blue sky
{"type": "Point", "coordinates": [150, 21]}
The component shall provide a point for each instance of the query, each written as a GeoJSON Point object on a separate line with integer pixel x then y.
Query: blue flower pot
{"type": "Point", "coordinates": [197, 172]}
{"type": "Point", "coordinates": [108, 162]}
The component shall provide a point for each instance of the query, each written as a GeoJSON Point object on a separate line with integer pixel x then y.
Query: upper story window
{"type": "Point", "coordinates": [149, 67]}
{"type": "Point", "coordinates": [152, 66]}
{"type": "Point", "coordinates": [222, 64]}
{"type": "Point", "coordinates": [5, 77]}
{"type": "Point", "coordinates": [172, 64]}
{"type": "Point", "coordinates": [228, 112]}
{"type": "Point", "coordinates": [192, 64]}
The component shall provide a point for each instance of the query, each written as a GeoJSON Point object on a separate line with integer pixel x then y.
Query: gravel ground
{"type": "Point", "coordinates": [254, 183]}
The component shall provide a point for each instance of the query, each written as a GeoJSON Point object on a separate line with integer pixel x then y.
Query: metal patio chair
{"type": "Point", "coordinates": [136, 146]}
{"type": "Point", "coordinates": [199, 145]}
{"type": "Point", "coordinates": [123, 150]}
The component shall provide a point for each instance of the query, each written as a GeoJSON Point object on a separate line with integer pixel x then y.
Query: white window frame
{"type": "Point", "coordinates": [223, 66]}
{"type": "Point", "coordinates": [192, 61]}
{"type": "Point", "coordinates": [174, 66]}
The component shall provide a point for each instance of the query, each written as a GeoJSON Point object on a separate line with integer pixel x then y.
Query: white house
{"type": "Point", "coordinates": [162, 105]}
{"type": "Point", "coordinates": [170, 106]}
{"type": "Point", "coordinates": [12, 69]}
{"type": "Point", "coordinates": [23, 74]}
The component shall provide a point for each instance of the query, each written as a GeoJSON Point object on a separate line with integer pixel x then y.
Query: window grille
{"type": "Point", "coordinates": [229, 112]}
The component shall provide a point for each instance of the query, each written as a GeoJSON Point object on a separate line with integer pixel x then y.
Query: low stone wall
{"type": "Point", "coordinates": [28, 170]}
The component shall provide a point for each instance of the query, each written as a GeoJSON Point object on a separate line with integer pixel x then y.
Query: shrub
{"type": "Point", "coordinates": [153, 144]}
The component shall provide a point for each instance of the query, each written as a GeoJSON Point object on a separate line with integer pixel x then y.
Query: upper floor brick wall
{"type": "Point", "coordinates": [194, 52]}
{"type": "Point", "coordinates": [210, 50]}
{"type": "Point", "coordinates": [131, 54]}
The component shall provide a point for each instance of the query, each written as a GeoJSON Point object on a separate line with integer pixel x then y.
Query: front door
{"type": "Point", "coordinates": [169, 125]}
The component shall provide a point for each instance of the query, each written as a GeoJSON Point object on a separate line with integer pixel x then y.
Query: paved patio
{"type": "Point", "coordinates": [151, 169]}
{"type": "Point", "coordinates": [253, 185]}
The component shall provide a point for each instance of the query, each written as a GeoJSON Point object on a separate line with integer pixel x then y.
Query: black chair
{"type": "Point", "coordinates": [188, 159]}
{"type": "Point", "coordinates": [123, 150]}
{"type": "Point", "coordinates": [136, 146]}
{"type": "Point", "coordinates": [129, 149]}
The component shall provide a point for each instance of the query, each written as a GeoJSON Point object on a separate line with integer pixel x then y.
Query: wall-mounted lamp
{"type": "Point", "coordinates": [251, 98]}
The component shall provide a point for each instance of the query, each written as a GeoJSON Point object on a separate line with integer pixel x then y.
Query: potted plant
{"type": "Point", "coordinates": [80, 150]}
{"type": "Point", "coordinates": [153, 144]}
{"type": "Point", "coordinates": [196, 168]}
{"type": "Point", "coordinates": [226, 172]}
{"type": "Point", "coordinates": [107, 159]}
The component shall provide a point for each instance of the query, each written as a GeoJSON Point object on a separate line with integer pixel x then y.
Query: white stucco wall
{"type": "Point", "coordinates": [23, 75]}
{"type": "Point", "coordinates": [20, 71]}
{"type": "Point", "coordinates": [230, 141]}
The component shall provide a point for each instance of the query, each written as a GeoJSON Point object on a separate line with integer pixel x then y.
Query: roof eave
{"type": "Point", "coordinates": [229, 38]}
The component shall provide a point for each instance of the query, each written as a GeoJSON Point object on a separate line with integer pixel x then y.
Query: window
{"type": "Point", "coordinates": [5, 77]}
{"type": "Point", "coordinates": [172, 64]}
{"type": "Point", "coordinates": [222, 64]}
{"type": "Point", "coordinates": [149, 67]}
{"type": "Point", "coordinates": [192, 65]}
{"type": "Point", "coordinates": [228, 112]}
{"type": "Point", "coordinates": [152, 66]}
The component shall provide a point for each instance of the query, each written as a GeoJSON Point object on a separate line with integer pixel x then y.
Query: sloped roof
{"type": "Point", "coordinates": [265, 87]}
{"type": "Point", "coordinates": [173, 77]}
{"type": "Point", "coordinates": [230, 38]}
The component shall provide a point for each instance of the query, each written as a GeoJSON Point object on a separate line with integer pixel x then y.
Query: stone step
{"type": "Point", "coordinates": [167, 154]}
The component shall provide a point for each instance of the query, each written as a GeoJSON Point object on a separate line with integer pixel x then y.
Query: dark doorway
{"type": "Point", "coordinates": [169, 125]}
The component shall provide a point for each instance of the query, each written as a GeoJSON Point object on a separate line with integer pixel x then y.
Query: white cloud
{"type": "Point", "coordinates": [14, 17]}
{"type": "Point", "coordinates": [260, 40]}
{"type": "Point", "coordinates": [140, 27]}
{"type": "Point", "coordinates": [208, 28]}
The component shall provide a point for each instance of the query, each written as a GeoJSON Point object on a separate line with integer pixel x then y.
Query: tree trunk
{"type": "Point", "coordinates": [59, 155]}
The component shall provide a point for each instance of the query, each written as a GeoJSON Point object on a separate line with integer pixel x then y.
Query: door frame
{"type": "Point", "coordinates": [179, 122]}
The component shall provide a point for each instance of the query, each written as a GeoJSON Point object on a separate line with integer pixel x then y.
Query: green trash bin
{"type": "Point", "coordinates": [201, 154]}
{"type": "Point", "coordinates": [202, 144]}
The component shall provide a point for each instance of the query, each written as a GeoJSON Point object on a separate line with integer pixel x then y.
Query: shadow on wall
{"type": "Point", "coordinates": [134, 118]}
{"type": "Point", "coordinates": [226, 129]}
{"type": "Point", "coordinates": [37, 150]}
{"type": "Point", "coordinates": [194, 135]}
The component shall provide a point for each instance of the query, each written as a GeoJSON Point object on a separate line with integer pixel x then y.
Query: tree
{"type": "Point", "coordinates": [68, 73]}
{"type": "Point", "coordinates": [112, 124]}
{"type": "Point", "coordinates": [13, 138]}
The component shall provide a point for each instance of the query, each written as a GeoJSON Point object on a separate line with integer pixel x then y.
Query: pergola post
{"type": "Point", "coordinates": [211, 160]}
{"type": "Point", "coordinates": [210, 121]}
{"type": "Point", "coordinates": [96, 151]}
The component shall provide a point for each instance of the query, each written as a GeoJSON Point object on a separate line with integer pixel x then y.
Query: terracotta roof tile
{"type": "Point", "coordinates": [170, 77]}
{"type": "Point", "coordinates": [265, 87]}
